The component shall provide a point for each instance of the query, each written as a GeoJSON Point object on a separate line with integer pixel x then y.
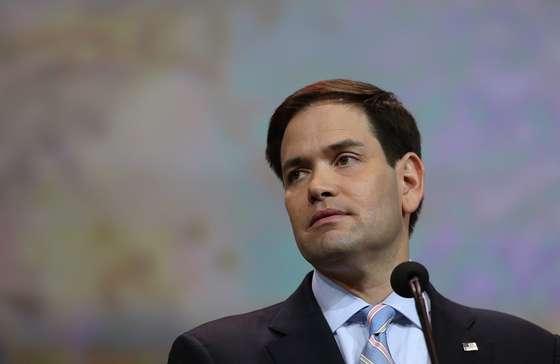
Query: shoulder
{"type": "Point", "coordinates": [504, 324]}
{"type": "Point", "coordinates": [514, 336]}
{"type": "Point", "coordinates": [483, 319]}
{"type": "Point", "coordinates": [509, 336]}
{"type": "Point", "coordinates": [231, 326]}
{"type": "Point", "coordinates": [237, 336]}
{"type": "Point", "coordinates": [243, 338]}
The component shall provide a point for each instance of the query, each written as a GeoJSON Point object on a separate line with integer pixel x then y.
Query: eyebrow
{"type": "Point", "coordinates": [341, 145]}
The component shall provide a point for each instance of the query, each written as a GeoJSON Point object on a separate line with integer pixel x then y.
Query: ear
{"type": "Point", "coordinates": [410, 172]}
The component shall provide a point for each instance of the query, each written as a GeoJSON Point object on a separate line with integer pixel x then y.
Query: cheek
{"type": "Point", "coordinates": [366, 193]}
{"type": "Point", "coordinates": [291, 207]}
{"type": "Point", "coordinates": [376, 193]}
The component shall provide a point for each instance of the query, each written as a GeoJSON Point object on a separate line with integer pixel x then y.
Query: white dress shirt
{"type": "Point", "coordinates": [404, 335]}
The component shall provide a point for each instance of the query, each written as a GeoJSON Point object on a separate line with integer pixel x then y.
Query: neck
{"type": "Point", "coordinates": [366, 275]}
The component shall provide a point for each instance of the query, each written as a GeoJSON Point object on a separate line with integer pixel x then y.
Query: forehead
{"type": "Point", "coordinates": [324, 124]}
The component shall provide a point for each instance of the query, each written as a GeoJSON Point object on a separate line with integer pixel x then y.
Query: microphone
{"type": "Point", "coordinates": [403, 273]}
{"type": "Point", "coordinates": [410, 279]}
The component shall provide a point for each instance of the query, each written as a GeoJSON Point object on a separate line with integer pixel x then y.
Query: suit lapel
{"type": "Point", "coordinates": [304, 334]}
{"type": "Point", "coordinates": [454, 325]}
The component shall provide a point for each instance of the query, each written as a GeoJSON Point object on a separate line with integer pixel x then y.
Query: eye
{"type": "Point", "coordinates": [294, 176]}
{"type": "Point", "coordinates": [346, 160]}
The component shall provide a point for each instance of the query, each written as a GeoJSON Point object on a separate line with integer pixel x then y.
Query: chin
{"type": "Point", "coordinates": [329, 248]}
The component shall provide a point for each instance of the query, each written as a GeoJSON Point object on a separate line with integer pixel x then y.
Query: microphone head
{"type": "Point", "coordinates": [403, 273]}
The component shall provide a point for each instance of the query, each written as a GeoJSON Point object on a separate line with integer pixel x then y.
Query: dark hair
{"type": "Point", "coordinates": [391, 123]}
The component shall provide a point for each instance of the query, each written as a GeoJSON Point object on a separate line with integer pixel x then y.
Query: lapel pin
{"type": "Point", "coordinates": [470, 346]}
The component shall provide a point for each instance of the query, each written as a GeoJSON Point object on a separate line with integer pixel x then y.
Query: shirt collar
{"type": "Point", "coordinates": [338, 305]}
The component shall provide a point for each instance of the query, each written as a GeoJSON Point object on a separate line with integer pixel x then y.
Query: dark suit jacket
{"type": "Point", "coordinates": [295, 331]}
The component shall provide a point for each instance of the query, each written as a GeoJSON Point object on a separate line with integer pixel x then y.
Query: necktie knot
{"type": "Point", "coordinates": [378, 317]}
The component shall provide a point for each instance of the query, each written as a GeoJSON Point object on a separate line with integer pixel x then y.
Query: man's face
{"type": "Point", "coordinates": [342, 197]}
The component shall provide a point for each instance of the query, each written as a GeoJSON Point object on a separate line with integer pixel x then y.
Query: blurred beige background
{"type": "Point", "coordinates": [135, 201]}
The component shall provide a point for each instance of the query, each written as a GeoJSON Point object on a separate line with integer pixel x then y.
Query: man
{"type": "Point", "coordinates": [349, 157]}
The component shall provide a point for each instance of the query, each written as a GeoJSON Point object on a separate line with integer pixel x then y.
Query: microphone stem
{"type": "Point", "coordinates": [422, 312]}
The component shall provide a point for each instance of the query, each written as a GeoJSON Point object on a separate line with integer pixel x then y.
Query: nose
{"type": "Point", "coordinates": [321, 185]}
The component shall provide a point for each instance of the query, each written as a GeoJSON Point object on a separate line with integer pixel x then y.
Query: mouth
{"type": "Point", "coordinates": [325, 215]}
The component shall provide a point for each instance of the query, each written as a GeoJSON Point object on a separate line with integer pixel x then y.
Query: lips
{"type": "Point", "coordinates": [321, 214]}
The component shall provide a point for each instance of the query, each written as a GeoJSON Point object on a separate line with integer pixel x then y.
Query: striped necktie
{"type": "Point", "coordinates": [376, 351]}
